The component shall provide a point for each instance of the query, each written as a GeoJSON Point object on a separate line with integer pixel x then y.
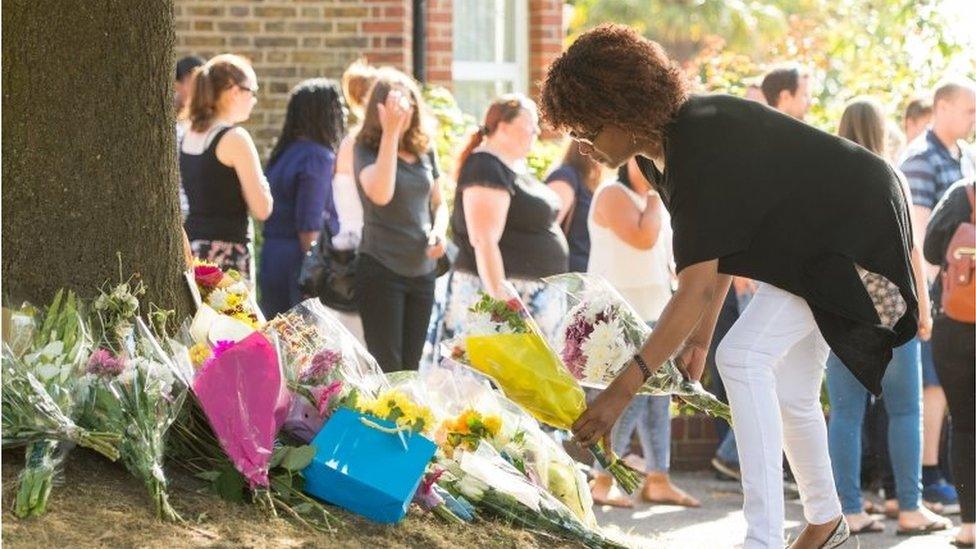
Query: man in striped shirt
{"type": "Point", "coordinates": [933, 162]}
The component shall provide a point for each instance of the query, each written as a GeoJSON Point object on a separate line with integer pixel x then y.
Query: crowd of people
{"type": "Point", "coordinates": [355, 164]}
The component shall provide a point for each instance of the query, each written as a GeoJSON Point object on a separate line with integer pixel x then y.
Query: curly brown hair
{"type": "Point", "coordinates": [613, 76]}
{"type": "Point", "coordinates": [417, 138]}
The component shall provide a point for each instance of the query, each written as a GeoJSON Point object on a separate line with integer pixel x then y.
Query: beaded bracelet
{"type": "Point", "coordinates": [643, 366]}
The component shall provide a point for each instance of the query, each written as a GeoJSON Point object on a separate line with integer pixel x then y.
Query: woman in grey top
{"type": "Point", "coordinates": [404, 222]}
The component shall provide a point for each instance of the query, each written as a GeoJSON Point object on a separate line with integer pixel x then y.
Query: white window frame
{"type": "Point", "coordinates": [516, 72]}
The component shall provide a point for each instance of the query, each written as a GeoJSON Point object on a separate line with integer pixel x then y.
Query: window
{"type": "Point", "coordinates": [490, 51]}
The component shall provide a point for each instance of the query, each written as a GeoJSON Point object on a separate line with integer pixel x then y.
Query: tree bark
{"type": "Point", "coordinates": [89, 159]}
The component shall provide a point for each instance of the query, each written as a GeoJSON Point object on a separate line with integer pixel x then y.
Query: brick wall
{"type": "Point", "coordinates": [288, 41]}
{"type": "Point", "coordinates": [440, 42]}
{"type": "Point", "coordinates": [545, 39]}
{"type": "Point", "coordinates": [693, 442]}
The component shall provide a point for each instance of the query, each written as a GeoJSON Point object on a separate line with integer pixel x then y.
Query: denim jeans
{"type": "Point", "coordinates": [727, 450]}
{"type": "Point", "coordinates": [651, 417]}
{"type": "Point", "coordinates": [902, 389]}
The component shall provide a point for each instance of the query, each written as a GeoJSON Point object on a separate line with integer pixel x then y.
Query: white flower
{"type": "Point", "coordinates": [218, 298]}
{"type": "Point", "coordinates": [238, 288]}
{"type": "Point", "coordinates": [605, 351]}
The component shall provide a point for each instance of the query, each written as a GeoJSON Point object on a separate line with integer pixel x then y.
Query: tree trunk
{"type": "Point", "coordinates": [89, 159]}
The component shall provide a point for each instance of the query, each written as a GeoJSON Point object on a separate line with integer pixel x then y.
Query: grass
{"type": "Point", "coordinates": [100, 504]}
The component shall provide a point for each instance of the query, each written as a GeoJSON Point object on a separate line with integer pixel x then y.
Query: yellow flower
{"type": "Point", "coordinates": [493, 424]}
{"type": "Point", "coordinates": [199, 353]}
{"type": "Point", "coordinates": [234, 301]}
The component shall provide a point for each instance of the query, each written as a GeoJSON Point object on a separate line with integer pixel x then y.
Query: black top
{"type": "Point", "coordinates": [577, 232]}
{"type": "Point", "coordinates": [777, 200]}
{"type": "Point", "coordinates": [396, 234]}
{"type": "Point", "coordinates": [951, 211]}
{"type": "Point", "coordinates": [217, 207]}
{"type": "Point", "coordinates": [532, 245]}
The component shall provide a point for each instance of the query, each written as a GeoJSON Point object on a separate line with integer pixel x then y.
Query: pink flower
{"type": "Point", "coordinates": [208, 276]}
{"type": "Point", "coordinates": [222, 346]}
{"type": "Point", "coordinates": [322, 365]}
{"type": "Point", "coordinates": [324, 394]}
{"type": "Point", "coordinates": [219, 349]}
{"type": "Point", "coordinates": [514, 305]}
{"type": "Point", "coordinates": [103, 364]}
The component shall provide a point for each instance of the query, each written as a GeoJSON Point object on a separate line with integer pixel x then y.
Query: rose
{"type": "Point", "coordinates": [208, 276]}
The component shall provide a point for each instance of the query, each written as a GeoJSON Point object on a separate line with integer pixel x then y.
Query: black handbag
{"type": "Point", "coordinates": [330, 274]}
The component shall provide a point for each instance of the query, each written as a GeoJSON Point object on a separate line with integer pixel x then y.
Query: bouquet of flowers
{"type": "Point", "coordinates": [41, 369]}
{"type": "Point", "coordinates": [504, 343]}
{"type": "Point", "coordinates": [467, 401]}
{"type": "Point", "coordinates": [225, 434]}
{"type": "Point", "coordinates": [131, 389]}
{"type": "Point", "coordinates": [601, 333]}
{"type": "Point", "coordinates": [243, 392]}
{"type": "Point", "coordinates": [491, 484]}
{"type": "Point", "coordinates": [325, 366]}
{"type": "Point", "coordinates": [227, 293]}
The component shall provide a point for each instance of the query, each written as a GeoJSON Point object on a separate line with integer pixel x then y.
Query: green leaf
{"type": "Point", "coordinates": [277, 456]}
{"type": "Point", "coordinates": [281, 483]}
{"type": "Point", "coordinates": [230, 485]}
{"type": "Point", "coordinates": [209, 476]}
{"type": "Point", "coordinates": [298, 458]}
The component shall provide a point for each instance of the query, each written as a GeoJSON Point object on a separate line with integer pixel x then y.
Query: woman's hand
{"type": "Point", "coordinates": [395, 112]}
{"type": "Point", "coordinates": [436, 246]}
{"type": "Point", "coordinates": [599, 417]}
{"type": "Point", "coordinates": [691, 360]}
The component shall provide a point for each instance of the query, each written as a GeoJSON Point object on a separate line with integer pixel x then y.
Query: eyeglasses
{"type": "Point", "coordinates": [254, 92]}
{"type": "Point", "coordinates": [586, 137]}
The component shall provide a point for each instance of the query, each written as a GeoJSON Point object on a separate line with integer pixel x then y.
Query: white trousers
{"type": "Point", "coordinates": [772, 364]}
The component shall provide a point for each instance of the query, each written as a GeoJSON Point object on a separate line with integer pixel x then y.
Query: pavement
{"type": "Point", "coordinates": [719, 522]}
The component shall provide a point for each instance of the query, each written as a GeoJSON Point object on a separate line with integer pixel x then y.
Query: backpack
{"type": "Point", "coordinates": [959, 270]}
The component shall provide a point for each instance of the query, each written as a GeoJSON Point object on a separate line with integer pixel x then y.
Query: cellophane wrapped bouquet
{"type": "Point", "coordinates": [600, 334]}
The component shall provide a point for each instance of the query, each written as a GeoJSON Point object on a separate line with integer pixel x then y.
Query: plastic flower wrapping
{"type": "Point", "coordinates": [43, 360]}
{"type": "Point", "coordinates": [325, 365]}
{"type": "Point", "coordinates": [470, 414]}
{"type": "Point", "coordinates": [600, 334]}
{"type": "Point", "coordinates": [514, 354]}
{"type": "Point", "coordinates": [131, 389]}
{"type": "Point", "coordinates": [227, 293]}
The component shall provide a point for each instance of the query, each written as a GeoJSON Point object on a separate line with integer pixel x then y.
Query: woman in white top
{"type": "Point", "coordinates": [356, 83]}
{"type": "Point", "coordinates": [630, 246]}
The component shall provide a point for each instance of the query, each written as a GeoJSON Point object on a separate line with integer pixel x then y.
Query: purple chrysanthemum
{"type": "Point", "coordinates": [103, 363]}
{"type": "Point", "coordinates": [322, 365]}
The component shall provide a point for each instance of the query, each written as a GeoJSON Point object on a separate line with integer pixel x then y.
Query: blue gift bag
{"type": "Point", "coordinates": [364, 465]}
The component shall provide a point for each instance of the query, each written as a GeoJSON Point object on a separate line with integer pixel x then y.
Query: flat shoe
{"type": "Point", "coordinates": [870, 527]}
{"type": "Point", "coordinates": [958, 543]}
{"type": "Point", "coordinates": [924, 530]}
{"type": "Point", "coordinates": [840, 535]}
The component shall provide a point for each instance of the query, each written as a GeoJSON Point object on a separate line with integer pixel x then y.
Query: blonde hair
{"type": "Point", "coordinates": [210, 81]}
{"type": "Point", "coordinates": [356, 82]}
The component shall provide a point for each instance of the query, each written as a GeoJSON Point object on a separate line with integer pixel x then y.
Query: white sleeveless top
{"type": "Point", "coordinates": [643, 277]}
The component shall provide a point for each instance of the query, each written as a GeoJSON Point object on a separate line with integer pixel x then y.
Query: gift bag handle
{"type": "Point", "coordinates": [388, 430]}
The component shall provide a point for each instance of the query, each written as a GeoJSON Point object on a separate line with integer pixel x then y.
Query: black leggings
{"type": "Point", "coordinates": [395, 311]}
{"type": "Point", "coordinates": [953, 351]}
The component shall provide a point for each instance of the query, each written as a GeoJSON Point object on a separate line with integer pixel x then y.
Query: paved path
{"type": "Point", "coordinates": [719, 522]}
